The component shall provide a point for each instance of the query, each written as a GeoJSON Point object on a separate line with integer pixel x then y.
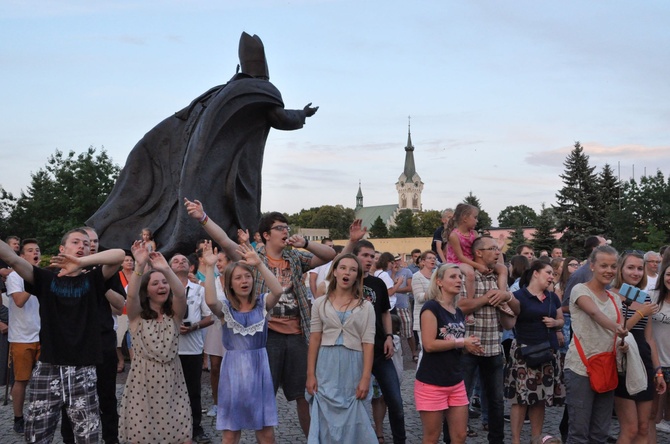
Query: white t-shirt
{"type": "Point", "coordinates": [321, 273]}
{"type": "Point", "coordinates": [384, 276]}
{"type": "Point", "coordinates": [24, 322]}
{"type": "Point", "coordinates": [651, 283]}
{"type": "Point", "coordinates": [193, 343]}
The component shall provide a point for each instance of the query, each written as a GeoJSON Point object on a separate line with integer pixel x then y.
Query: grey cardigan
{"type": "Point", "coordinates": [359, 327]}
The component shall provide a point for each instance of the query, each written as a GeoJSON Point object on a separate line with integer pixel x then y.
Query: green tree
{"type": "Point", "coordinates": [404, 225]}
{"type": "Point", "coordinates": [7, 204]}
{"type": "Point", "coordinates": [543, 238]}
{"type": "Point", "coordinates": [427, 222]}
{"type": "Point", "coordinates": [336, 218]}
{"type": "Point", "coordinates": [63, 195]}
{"type": "Point", "coordinates": [517, 215]}
{"type": "Point", "coordinates": [378, 229]}
{"type": "Point", "coordinates": [579, 208]}
{"type": "Point", "coordinates": [515, 240]}
{"type": "Point", "coordinates": [485, 221]}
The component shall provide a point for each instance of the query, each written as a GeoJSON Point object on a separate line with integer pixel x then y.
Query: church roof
{"type": "Point", "coordinates": [370, 214]}
{"type": "Point", "coordinates": [410, 169]}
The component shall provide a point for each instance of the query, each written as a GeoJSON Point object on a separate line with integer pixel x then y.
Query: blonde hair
{"type": "Point", "coordinates": [434, 291]}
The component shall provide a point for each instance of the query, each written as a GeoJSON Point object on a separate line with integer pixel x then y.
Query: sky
{"type": "Point", "coordinates": [498, 92]}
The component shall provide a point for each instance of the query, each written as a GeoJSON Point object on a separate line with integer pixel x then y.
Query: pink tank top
{"type": "Point", "coordinates": [466, 246]}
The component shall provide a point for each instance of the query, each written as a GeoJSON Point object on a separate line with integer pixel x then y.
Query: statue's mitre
{"type": "Point", "coordinates": [252, 57]}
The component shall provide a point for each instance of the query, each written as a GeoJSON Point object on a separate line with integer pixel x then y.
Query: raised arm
{"type": "Point", "coordinates": [20, 265]}
{"type": "Point", "coordinates": [110, 260]}
{"type": "Point", "coordinates": [141, 255]}
{"type": "Point", "coordinates": [251, 258]}
{"type": "Point", "coordinates": [159, 263]}
{"type": "Point", "coordinates": [356, 232]}
{"type": "Point", "coordinates": [322, 253]}
{"type": "Point", "coordinates": [209, 257]}
{"type": "Point", "coordinates": [590, 308]}
{"type": "Point", "coordinates": [197, 212]}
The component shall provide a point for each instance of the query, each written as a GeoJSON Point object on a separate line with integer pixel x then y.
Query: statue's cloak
{"type": "Point", "coordinates": [212, 151]}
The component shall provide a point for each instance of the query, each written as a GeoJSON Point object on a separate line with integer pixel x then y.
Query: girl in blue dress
{"type": "Point", "coordinates": [339, 360]}
{"type": "Point", "coordinates": [246, 395]}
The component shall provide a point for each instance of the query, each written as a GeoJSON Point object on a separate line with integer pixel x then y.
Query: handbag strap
{"type": "Point", "coordinates": [580, 350]}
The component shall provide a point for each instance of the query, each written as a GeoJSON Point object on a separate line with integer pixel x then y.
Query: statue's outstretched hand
{"type": "Point", "coordinates": [309, 110]}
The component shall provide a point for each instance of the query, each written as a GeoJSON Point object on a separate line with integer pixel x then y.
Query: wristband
{"type": "Point", "coordinates": [204, 220]}
{"type": "Point", "coordinates": [138, 273]}
{"type": "Point", "coordinates": [306, 243]}
{"type": "Point", "coordinates": [640, 313]}
{"type": "Point", "coordinates": [389, 334]}
{"type": "Point", "coordinates": [459, 343]}
{"type": "Point", "coordinates": [658, 369]}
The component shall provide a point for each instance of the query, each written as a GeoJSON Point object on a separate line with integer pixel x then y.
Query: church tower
{"type": "Point", "coordinates": [359, 198]}
{"type": "Point", "coordinates": [409, 185]}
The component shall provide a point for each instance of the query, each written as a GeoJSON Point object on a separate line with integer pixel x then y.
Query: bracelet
{"type": "Point", "coordinates": [459, 343]}
{"type": "Point", "coordinates": [659, 374]}
{"type": "Point", "coordinates": [204, 220]}
{"type": "Point", "coordinates": [204, 216]}
{"type": "Point", "coordinates": [389, 334]}
{"type": "Point", "coordinates": [511, 296]}
{"type": "Point", "coordinates": [640, 313]}
{"type": "Point", "coordinates": [138, 273]}
{"type": "Point", "coordinates": [306, 243]}
{"type": "Point", "coordinates": [197, 325]}
{"type": "Point", "coordinates": [658, 369]}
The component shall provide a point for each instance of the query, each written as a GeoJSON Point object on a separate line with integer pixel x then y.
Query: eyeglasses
{"type": "Point", "coordinates": [573, 264]}
{"type": "Point", "coordinates": [651, 261]}
{"type": "Point", "coordinates": [489, 249]}
{"type": "Point", "coordinates": [281, 228]}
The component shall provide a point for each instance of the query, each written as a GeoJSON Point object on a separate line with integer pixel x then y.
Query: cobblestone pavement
{"type": "Point", "coordinates": [289, 431]}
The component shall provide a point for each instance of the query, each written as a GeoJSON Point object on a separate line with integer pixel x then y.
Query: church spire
{"type": "Point", "coordinates": [359, 197]}
{"type": "Point", "coordinates": [410, 169]}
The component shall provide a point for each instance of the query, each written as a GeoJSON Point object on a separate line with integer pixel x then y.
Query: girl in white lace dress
{"type": "Point", "coordinates": [246, 394]}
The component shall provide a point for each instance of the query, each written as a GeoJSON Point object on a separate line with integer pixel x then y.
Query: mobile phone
{"type": "Point", "coordinates": [188, 324]}
{"type": "Point", "coordinates": [633, 294]}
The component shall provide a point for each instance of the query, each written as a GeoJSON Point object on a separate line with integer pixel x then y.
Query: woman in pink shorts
{"type": "Point", "coordinates": [439, 390]}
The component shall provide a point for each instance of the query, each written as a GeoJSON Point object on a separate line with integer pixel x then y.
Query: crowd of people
{"type": "Point", "coordinates": [326, 324]}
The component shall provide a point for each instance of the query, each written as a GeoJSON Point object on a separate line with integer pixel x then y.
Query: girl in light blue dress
{"type": "Point", "coordinates": [246, 397]}
{"type": "Point", "coordinates": [339, 361]}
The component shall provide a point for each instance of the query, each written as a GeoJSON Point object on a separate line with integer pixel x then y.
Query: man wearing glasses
{"type": "Point", "coordinates": [288, 328]}
{"type": "Point", "coordinates": [487, 321]}
{"type": "Point", "coordinates": [651, 262]}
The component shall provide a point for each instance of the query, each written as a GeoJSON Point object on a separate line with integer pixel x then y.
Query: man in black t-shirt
{"type": "Point", "coordinates": [383, 369]}
{"type": "Point", "coordinates": [70, 336]}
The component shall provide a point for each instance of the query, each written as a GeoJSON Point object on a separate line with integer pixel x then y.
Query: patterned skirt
{"type": "Point", "coordinates": [524, 385]}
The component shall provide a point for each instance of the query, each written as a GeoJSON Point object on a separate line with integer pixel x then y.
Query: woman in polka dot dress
{"type": "Point", "coordinates": [155, 406]}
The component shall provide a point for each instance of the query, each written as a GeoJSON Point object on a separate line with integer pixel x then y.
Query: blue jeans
{"type": "Point", "coordinates": [385, 373]}
{"type": "Point", "coordinates": [491, 372]}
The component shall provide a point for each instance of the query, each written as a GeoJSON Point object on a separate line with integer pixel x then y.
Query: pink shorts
{"type": "Point", "coordinates": [434, 398]}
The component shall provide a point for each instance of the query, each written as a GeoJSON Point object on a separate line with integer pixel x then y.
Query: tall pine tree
{"type": "Point", "coordinates": [543, 239]}
{"type": "Point", "coordinates": [515, 240]}
{"type": "Point", "coordinates": [378, 230]}
{"type": "Point", "coordinates": [578, 205]}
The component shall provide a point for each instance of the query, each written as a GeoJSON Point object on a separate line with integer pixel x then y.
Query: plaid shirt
{"type": "Point", "coordinates": [487, 319]}
{"type": "Point", "coordinates": [299, 262]}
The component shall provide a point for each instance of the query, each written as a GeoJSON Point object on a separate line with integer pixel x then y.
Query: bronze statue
{"type": "Point", "coordinates": [212, 151]}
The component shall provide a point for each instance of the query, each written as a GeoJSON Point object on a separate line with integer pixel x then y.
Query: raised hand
{"type": "Point", "coordinates": [209, 255]}
{"type": "Point", "coordinates": [250, 257]}
{"type": "Point", "coordinates": [67, 263]}
{"type": "Point", "coordinates": [194, 209]}
{"type": "Point", "coordinates": [242, 236]}
{"type": "Point", "coordinates": [140, 252]}
{"type": "Point", "coordinates": [158, 261]}
{"type": "Point", "coordinates": [357, 231]}
{"type": "Point", "coordinates": [297, 241]}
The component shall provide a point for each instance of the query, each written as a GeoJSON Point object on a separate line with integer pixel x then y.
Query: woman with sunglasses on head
{"type": "Point", "coordinates": [531, 388]}
{"type": "Point", "coordinates": [661, 330]}
{"type": "Point", "coordinates": [634, 411]}
{"type": "Point", "coordinates": [596, 320]}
